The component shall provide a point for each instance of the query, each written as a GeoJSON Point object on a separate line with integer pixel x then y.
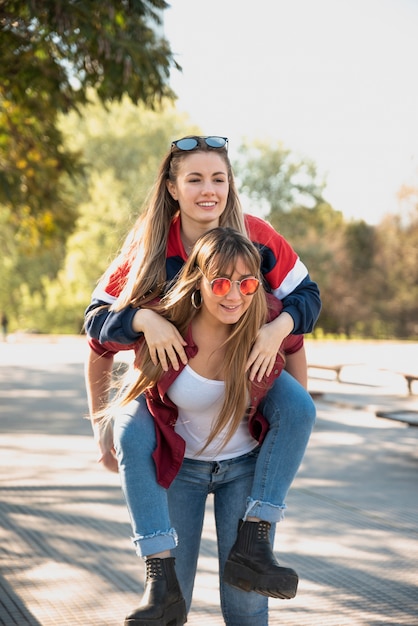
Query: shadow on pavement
{"type": "Point", "coordinates": [13, 609]}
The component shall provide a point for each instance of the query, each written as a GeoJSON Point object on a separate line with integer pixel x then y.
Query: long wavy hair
{"type": "Point", "coordinates": [215, 254]}
{"type": "Point", "coordinates": [145, 247]}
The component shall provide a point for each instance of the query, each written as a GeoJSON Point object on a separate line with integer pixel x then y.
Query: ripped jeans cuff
{"type": "Point", "coordinates": [264, 511]}
{"type": "Point", "coordinates": [156, 542]}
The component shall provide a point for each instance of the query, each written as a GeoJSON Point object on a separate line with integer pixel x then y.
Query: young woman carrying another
{"type": "Point", "coordinates": [206, 415]}
{"type": "Point", "coordinates": [195, 192]}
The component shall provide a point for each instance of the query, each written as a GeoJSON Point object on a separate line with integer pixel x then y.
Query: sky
{"type": "Point", "coordinates": [335, 81]}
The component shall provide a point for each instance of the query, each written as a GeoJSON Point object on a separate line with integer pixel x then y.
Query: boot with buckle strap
{"type": "Point", "coordinates": [252, 566]}
{"type": "Point", "coordinates": [162, 603]}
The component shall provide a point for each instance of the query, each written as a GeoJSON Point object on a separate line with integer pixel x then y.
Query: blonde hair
{"type": "Point", "coordinates": [214, 254]}
{"type": "Point", "coordinates": [145, 247]}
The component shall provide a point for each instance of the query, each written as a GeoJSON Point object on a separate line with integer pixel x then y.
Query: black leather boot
{"type": "Point", "coordinates": [252, 566]}
{"type": "Point", "coordinates": [162, 603]}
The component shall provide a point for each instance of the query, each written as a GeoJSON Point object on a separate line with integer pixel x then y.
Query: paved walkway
{"type": "Point", "coordinates": [351, 529]}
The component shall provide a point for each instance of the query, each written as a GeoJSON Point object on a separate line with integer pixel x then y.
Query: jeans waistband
{"type": "Point", "coordinates": [213, 466]}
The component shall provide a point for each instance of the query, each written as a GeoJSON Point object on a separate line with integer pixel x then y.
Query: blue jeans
{"type": "Point", "coordinates": [291, 415]}
{"type": "Point", "coordinates": [229, 481]}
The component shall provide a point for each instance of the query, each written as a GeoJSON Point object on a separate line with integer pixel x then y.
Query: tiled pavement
{"type": "Point", "coordinates": [351, 529]}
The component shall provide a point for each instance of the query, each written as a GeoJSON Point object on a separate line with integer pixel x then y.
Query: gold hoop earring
{"type": "Point", "coordinates": [197, 305]}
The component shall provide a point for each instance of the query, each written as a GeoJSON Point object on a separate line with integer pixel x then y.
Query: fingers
{"type": "Point", "coordinates": [165, 344]}
{"type": "Point", "coordinates": [166, 356]}
{"type": "Point", "coordinates": [109, 461]}
{"type": "Point", "coordinates": [172, 357]}
{"type": "Point", "coordinates": [261, 366]}
{"type": "Point", "coordinates": [262, 356]}
{"type": "Point", "coordinates": [169, 352]}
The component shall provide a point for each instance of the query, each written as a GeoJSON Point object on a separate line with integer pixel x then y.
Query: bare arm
{"type": "Point", "coordinates": [297, 366]}
{"type": "Point", "coordinates": [98, 374]}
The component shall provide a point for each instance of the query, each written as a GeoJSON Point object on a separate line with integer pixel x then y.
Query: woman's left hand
{"type": "Point", "coordinates": [267, 344]}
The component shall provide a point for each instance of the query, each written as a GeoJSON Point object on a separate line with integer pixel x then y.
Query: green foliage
{"type": "Point", "coordinates": [275, 176]}
{"type": "Point", "coordinates": [32, 167]}
{"type": "Point", "coordinates": [59, 50]}
{"type": "Point", "coordinates": [122, 146]}
{"type": "Point", "coordinates": [367, 275]}
{"type": "Point", "coordinates": [395, 284]}
{"type": "Point", "coordinates": [53, 55]}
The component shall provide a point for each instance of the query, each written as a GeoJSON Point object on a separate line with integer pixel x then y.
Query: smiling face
{"type": "Point", "coordinates": [201, 189]}
{"type": "Point", "coordinates": [225, 309]}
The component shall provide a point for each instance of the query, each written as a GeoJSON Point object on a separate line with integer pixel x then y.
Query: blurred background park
{"type": "Point", "coordinates": [319, 102]}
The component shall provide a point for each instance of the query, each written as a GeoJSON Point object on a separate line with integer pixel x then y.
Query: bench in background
{"type": "Point", "coordinates": [332, 368]}
{"type": "Point", "coordinates": [406, 416]}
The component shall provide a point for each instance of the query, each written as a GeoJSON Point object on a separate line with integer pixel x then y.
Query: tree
{"type": "Point", "coordinates": [287, 189]}
{"type": "Point", "coordinates": [277, 179]}
{"type": "Point", "coordinates": [122, 147]}
{"type": "Point", "coordinates": [396, 275]}
{"type": "Point", "coordinates": [52, 54]}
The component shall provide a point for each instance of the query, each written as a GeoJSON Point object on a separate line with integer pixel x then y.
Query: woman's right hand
{"type": "Point", "coordinates": [165, 343]}
{"type": "Point", "coordinates": [109, 461]}
{"type": "Point", "coordinates": [103, 436]}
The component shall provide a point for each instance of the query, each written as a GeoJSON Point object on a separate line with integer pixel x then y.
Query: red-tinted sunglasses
{"type": "Point", "coordinates": [222, 286]}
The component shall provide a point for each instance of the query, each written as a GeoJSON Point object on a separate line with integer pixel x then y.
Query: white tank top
{"type": "Point", "coordinates": [199, 401]}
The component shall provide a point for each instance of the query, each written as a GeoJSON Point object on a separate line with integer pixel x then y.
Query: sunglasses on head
{"type": "Point", "coordinates": [222, 286]}
{"type": "Point", "coordinates": [191, 143]}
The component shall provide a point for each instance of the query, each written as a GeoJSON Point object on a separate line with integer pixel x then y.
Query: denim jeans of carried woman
{"type": "Point", "coordinates": [160, 518]}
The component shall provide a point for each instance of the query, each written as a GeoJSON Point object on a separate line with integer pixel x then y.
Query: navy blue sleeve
{"type": "Point", "coordinates": [304, 305]}
{"type": "Point", "coordinates": [106, 325]}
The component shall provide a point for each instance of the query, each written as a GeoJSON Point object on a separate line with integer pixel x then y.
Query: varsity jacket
{"type": "Point", "coordinates": [284, 275]}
